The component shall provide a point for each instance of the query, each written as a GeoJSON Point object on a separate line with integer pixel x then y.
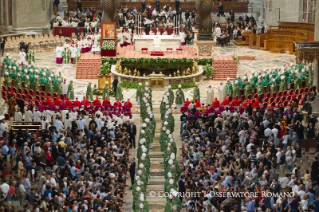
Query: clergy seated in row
{"type": "Point", "coordinates": [223, 39]}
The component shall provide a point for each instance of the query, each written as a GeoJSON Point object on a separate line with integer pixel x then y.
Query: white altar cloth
{"type": "Point", "coordinates": [147, 41]}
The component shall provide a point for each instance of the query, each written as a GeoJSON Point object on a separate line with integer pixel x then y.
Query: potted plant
{"type": "Point", "coordinates": [105, 68]}
{"type": "Point", "coordinates": [108, 49]}
{"type": "Point", "coordinates": [208, 70]}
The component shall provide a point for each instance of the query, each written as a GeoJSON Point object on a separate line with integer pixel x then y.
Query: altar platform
{"type": "Point", "coordinates": [89, 64]}
{"type": "Point", "coordinates": [157, 42]}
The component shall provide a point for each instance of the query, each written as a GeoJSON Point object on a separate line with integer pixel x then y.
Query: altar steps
{"type": "Point", "coordinates": [224, 67]}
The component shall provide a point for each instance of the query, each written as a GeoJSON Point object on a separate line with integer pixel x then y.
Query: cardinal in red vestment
{"type": "Point", "coordinates": [68, 103]}
{"type": "Point", "coordinates": [96, 101]}
{"type": "Point", "coordinates": [197, 103]}
{"type": "Point", "coordinates": [225, 101]}
{"type": "Point", "coordinates": [77, 103]}
{"type": "Point", "coordinates": [216, 103]}
{"type": "Point", "coordinates": [235, 102]}
{"type": "Point", "coordinates": [187, 102]}
{"type": "Point", "coordinates": [256, 103]}
{"type": "Point", "coordinates": [129, 103]}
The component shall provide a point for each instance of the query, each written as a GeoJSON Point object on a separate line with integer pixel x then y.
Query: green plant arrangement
{"type": "Point", "coordinates": [97, 92]}
{"type": "Point", "coordinates": [105, 68]}
{"type": "Point", "coordinates": [132, 85]}
{"type": "Point", "coordinates": [98, 41]}
{"type": "Point", "coordinates": [108, 45]}
{"type": "Point", "coordinates": [208, 70]}
{"type": "Point", "coordinates": [169, 64]}
{"type": "Point", "coordinates": [184, 85]}
{"type": "Point", "coordinates": [236, 58]}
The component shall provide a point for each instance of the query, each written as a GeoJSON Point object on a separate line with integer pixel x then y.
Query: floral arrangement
{"type": "Point", "coordinates": [98, 42]}
{"type": "Point", "coordinates": [118, 39]}
{"type": "Point", "coordinates": [108, 45]}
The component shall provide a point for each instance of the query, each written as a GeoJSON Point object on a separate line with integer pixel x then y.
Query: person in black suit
{"type": "Point", "coordinates": [177, 4]}
{"type": "Point", "coordinates": [187, 14]}
{"type": "Point", "coordinates": [79, 5]}
{"type": "Point", "coordinates": [2, 43]}
{"type": "Point", "coordinates": [181, 187]}
{"type": "Point", "coordinates": [143, 6]}
{"type": "Point", "coordinates": [114, 83]}
{"type": "Point", "coordinates": [132, 171]}
{"type": "Point", "coordinates": [220, 10]}
{"type": "Point", "coordinates": [22, 45]}
{"type": "Point", "coordinates": [78, 31]}
{"type": "Point", "coordinates": [232, 16]}
{"type": "Point", "coordinates": [131, 129]}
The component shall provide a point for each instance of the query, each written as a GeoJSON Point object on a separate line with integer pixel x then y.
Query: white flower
{"type": "Point", "coordinates": [108, 45]}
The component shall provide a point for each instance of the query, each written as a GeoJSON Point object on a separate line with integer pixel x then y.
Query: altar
{"type": "Point", "coordinates": [157, 42]}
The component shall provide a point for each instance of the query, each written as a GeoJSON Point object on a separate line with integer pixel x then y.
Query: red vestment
{"type": "Point", "coordinates": [256, 104]}
{"type": "Point", "coordinates": [187, 102]}
{"type": "Point", "coordinates": [197, 104]}
{"type": "Point", "coordinates": [235, 102]}
{"type": "Point", "coordinates": [216, 104]}
{"type": "Point", "coordinates": [225, 102]}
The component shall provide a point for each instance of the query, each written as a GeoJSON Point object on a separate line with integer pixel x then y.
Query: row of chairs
{"type": "Point", "coordinates": [38, 43]}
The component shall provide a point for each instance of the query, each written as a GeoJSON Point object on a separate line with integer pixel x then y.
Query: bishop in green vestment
{"type": "Point", "coordinates": [196, 93]}
{"type": "Point", "coordinates": [260, 88]}
{"type": "Point", "coordinates": [89, 92]}
{"type": "Point", "coordinates": [180, 98]}
{"type": "Point", "coordinates": [49, 87]}
{"type": "Point", "coordinates": [283, 84]}
{"type": "Point", "coordinates": [30, 56]}
{"type": "Point", "coordinates": [235, 90]}
{"type": "Point", "coordinates": [70, 92]}
{"type": "Point", "coordinates": [273, 87]}
{"type": "Point", "coordinates": [248, 89]}
{"type": "Point", "coordinates": [119, 93]}
{"type": "Point", "coordinates": [228, 87]}
{"type": "Point", "coordinates": [105, 90]}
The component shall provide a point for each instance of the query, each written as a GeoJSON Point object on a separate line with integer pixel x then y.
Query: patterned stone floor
{"type": "Point", "coordinates": [263, 59]}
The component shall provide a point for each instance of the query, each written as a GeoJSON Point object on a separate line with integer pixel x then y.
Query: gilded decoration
{"type": "Point", "coordinates": [101, 81]}
{"type": "Point", "coordinates": [205, 50]}
{"type": "Point", "coordinates": [157, 82]}
{"type": "Point", "coordinates": [306, 54]}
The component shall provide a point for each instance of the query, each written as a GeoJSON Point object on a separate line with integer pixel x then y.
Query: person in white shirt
{"type": "Point", "coordinates": [284, 182]}
{"type": "Point", "coordinates": [275, 133]}
{"type": "Point", "coordinates": [152, 33]}
{"type": "Point", "coordinates": [22, 56]}
{"type": "Point", "coordinates": [5, 188]}
{"type": "Point", "coordinates": [285, 141]}
{"type": "Point", "coordinates": [294, 187]}
{"type": "Point", "coordinates": [18, 116]}
{"type": "Point", "coordinates": [267, 132]}
{"type": "Point", "coordinates": [59, 49]}
{"type": "Point", "coordinates": [278, 155]}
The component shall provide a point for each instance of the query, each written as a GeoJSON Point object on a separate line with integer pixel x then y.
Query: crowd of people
{"type": "Point", "coordinates": [244, 148]}
{"type": "Point", "coordinates": [76, 162]}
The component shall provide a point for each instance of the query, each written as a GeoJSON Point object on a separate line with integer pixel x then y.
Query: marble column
{"type": "Point", "coordinates": [25, 17]}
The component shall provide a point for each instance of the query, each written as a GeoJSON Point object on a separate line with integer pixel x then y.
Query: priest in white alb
{"type": "Point", "coordinates": [127, 38]}
{"type": "Point", "coordinates": [182, 36]}
{"type": "Point", "coordinates": [22, 56]}
{"type": "Point", "coordinates": [210, 95]}
{"type": "Point", "coordinates": [59, 49]}
{"type": "Point", "coordinates": [221, 92]}
{"type": "Point", "coordinates": [65, 88]}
